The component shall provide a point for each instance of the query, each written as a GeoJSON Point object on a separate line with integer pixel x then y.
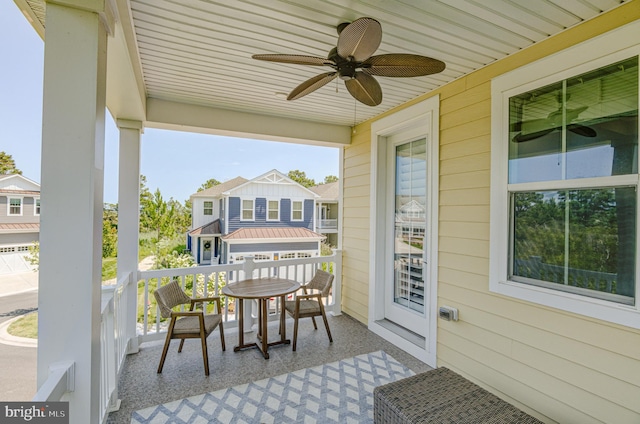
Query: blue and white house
{"type": "Point", "coordinates": [270, 217]}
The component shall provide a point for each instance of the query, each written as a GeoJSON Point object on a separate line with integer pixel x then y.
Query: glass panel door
{"type": "Point", "coordinates": [405, 304]}
{"type": "Point", "coordinates": [410, 219]}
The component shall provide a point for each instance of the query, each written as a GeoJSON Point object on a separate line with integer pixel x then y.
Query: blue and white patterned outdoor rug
{"type": "Point", "coordinates": [339, 392]}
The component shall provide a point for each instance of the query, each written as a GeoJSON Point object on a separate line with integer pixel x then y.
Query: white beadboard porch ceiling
{"type": "Point", "coordinates": [199, 51]}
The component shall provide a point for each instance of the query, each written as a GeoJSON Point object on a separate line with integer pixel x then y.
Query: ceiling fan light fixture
{"type": "Point", "coordinates": [353, 61]}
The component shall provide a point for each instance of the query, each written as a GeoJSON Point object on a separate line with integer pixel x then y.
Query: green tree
{"type": "Point", "coordinates": [7, 165]}
{"type": "Point", "coordinates": [145, 198]}
{"type": "Point", "coordinates": [301, 178]}
{"type": "Point", "coordinates": [330, 179]}
{"type": "Point", "coordinates": [109, 230]}
{"type": "Point", "coordinates": [208, 184]}
{"type": "Point", "coordinates": [154, 215]}
{"type": "Point", "coordinates": [179, 218]}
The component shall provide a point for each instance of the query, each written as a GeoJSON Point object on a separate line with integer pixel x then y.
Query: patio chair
{"type": "Point", "coordinates": [310, 305]}
{"type": "Point", "coordinates": [190, 324]}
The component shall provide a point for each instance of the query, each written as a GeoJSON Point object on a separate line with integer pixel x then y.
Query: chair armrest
{"type": "Point", "coordinates": [309, 296]}
{"type": "Point", "coordinates": [215, 299]}
{"type": "Point", "coordinates": [186, 313]}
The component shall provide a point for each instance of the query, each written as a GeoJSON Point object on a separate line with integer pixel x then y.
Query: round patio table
{"type": "Point", "coordinates": [261, 289]}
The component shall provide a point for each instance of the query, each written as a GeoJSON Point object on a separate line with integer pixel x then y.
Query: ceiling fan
{"type": "Point", "coordinates": [553, 122]}
{"type": "Point", "coordinates": [353, 62]}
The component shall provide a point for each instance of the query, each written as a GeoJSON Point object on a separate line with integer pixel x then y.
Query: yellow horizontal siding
{"type": "Point", "coordinates": [558, 366]}
{"type": "Point", "coordinates": [467, 147]}
{"type": "Point", "coordinates": [465, 180]}
{"type": "Point", "coordinates": [465, 230]}
{"type": "Point", "coordinates": [355, 233]}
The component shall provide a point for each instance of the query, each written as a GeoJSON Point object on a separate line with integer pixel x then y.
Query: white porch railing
{"type": "Point", "coordinates": [208, 280]}
{"type": "Point", "coordinates": [328, 224]}
{"type": "Point", "coordinates": [113, 344]}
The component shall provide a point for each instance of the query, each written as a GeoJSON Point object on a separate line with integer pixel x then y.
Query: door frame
{"type": "Point", "coordinates": [426, 115]}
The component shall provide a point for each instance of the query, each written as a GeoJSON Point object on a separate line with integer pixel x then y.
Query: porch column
{"type": "Point", "coordinates": [129, 221]}
{"type": "Point", "coordinates": [72, 198]}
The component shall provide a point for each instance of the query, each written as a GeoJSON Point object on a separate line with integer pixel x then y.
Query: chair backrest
{"type": "Point", "coordinates": [321, 281]}
{"type": "Point", "coordinates": [170, 296]}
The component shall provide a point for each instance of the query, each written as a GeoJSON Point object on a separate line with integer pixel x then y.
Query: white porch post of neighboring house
{"type": "Point", "coordinates": [129, 220]}
{"type": "Point", "coordinates": [72, 198]}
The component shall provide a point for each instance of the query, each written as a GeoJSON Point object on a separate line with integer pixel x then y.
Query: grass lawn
{"type": "Point", "coordinates": [26, 326]}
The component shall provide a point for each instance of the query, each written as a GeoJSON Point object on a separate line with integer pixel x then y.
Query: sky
{"type": "Point", "coordinates": [177, 163]}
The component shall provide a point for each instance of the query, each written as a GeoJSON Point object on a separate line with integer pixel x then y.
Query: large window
{"type": "Point", "coordinates": [15, 206]}
{"type": "Point", "coordinates": [565, 203]}
{"type": "Point", "coordinates": [576, 238]}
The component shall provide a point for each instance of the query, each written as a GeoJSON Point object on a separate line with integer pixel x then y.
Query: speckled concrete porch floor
{"type": "Point", "coordinates": [141, 386]}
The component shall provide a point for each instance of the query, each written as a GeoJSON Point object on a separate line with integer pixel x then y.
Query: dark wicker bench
{"type": "Point", "coordinates": [442, 396]}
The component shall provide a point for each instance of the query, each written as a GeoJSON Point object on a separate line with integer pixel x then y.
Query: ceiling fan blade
{"type": "Point", "coordinates": [521, 137]}
{"type": "Point", "coordinates": [294, 58]}
{"type": "Point", "coordinates": [582, 130]}
{"type": "Point", "coordinates": [401, 65]}
{"type": "Point", "coordinates": [360, 39]}
{"type": "Point", "coordinates": [311, 85]}
{"type": "Point", "coordinates": [365, 89]}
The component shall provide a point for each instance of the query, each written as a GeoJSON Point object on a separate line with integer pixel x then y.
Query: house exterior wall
{"type": "Point", "coordinates": [28, 210]}
{"type": "Point", "coordinates": [274, 247]}
{"type": "Point", "coordinates": [23, 239]}
{"type": "Point", "coordinates": [260, 210]}
{"type": "Point", "coordinates": [197, 210]}
{"type": "Point", "coordinates": [560, 366]}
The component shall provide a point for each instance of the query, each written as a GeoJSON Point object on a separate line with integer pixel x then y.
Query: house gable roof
{"type": "Point", "coordinates": [272, 177]}
{"type": "Point", "coordinates": [17, 183]}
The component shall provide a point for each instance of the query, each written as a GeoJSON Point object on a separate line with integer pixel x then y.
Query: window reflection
{"type": "Point", "coordinates": [582, 127]}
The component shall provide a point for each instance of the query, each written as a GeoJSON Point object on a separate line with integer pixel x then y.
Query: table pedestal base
{"type": "Point", "coordinates": [263, 342]}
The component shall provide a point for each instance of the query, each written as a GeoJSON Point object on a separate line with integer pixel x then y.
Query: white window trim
{"type": "Point", "coordinates": [268, 210]}
{"type": "Point", "coordinates": [562, 65]}
{"type": "Point", "coordinates": [253, 209]}
{"type": "Point", "coordinates": [36, 206]}
{"type": "Point", "coordinates": [9, 199]}
{"type": "Point", "coordinates": [302, 214]}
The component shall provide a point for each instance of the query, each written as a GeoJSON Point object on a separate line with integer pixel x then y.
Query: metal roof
{"type": "Point", "coordinates": [272, 233]}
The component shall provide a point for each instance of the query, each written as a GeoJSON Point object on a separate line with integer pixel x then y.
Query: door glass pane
{"type": "Point", "coordinates": [410, 224]}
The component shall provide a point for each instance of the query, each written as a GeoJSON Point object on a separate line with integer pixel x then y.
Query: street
{"type": "Point", "coordinates": [17, 364]}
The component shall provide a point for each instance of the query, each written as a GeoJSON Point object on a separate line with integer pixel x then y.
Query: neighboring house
{"type": "Point", "coordinates": [19, 221]}
{"type": "Point", "coordinates": [268, 217]}
{"type": "Point", "coordinates": [327, 209]}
